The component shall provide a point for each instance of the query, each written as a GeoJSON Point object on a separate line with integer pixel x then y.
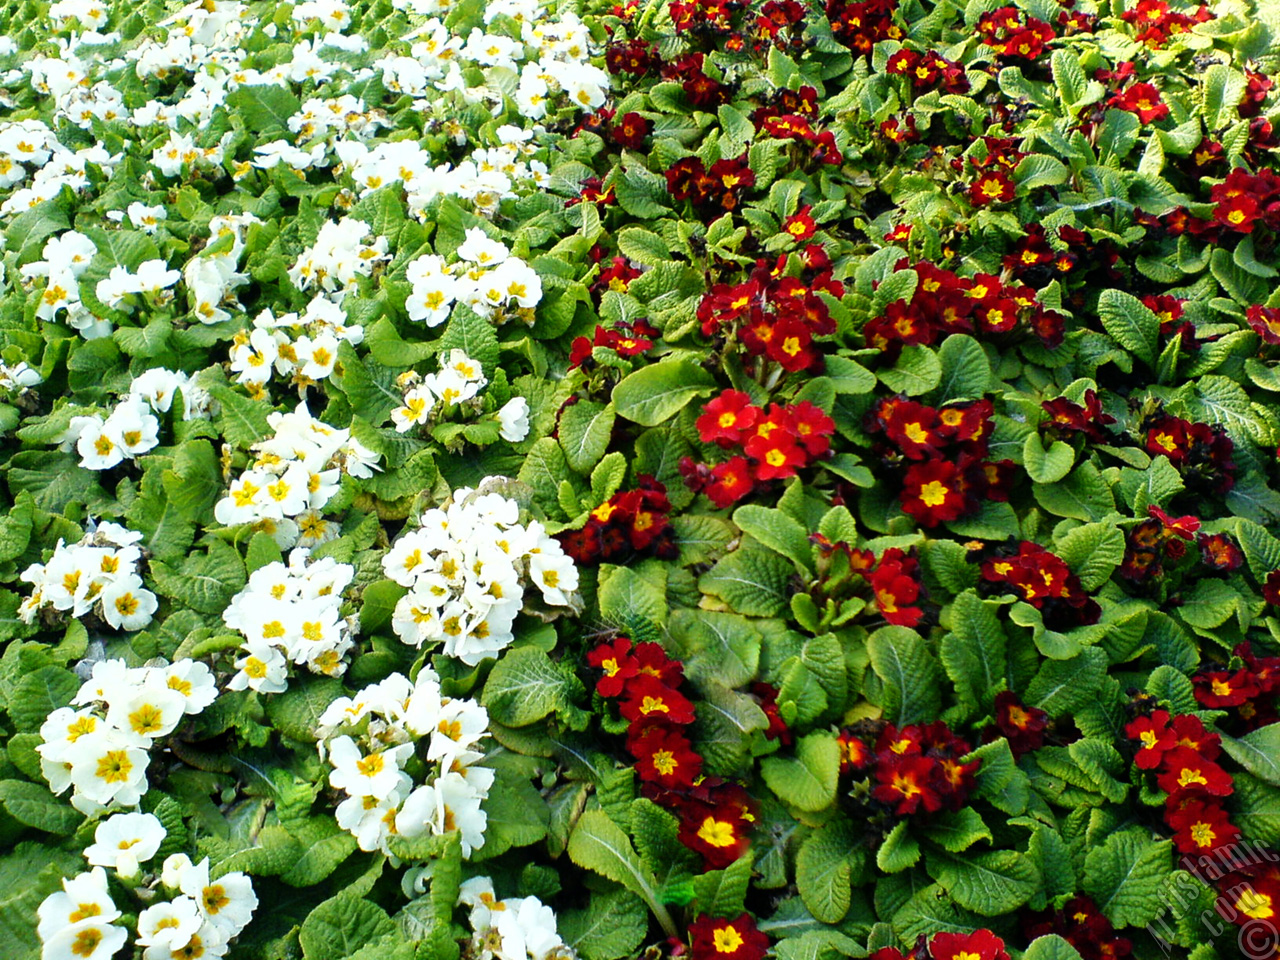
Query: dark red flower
{"type": "Point", "coordinates": [979, 945]}
{"type": "Point", "coordinates": [1184, 772]}
{"type": "Point", "coordinates": [618, 664]}
{"type": "Point", "coordinates": [1022, 726]}
{"type": "Point", "coordinates": [648, 698]}
{"type": "Point", "coordinates": [720, 939]}
{"type": "Point", "coordinates": [993, 186]}
{"type": "Point", "coordinates": [663, 755]}
{"type": "Point", "coordinates": [1142, 99]}
{"type": "Point", "coordinates": [933, 492]}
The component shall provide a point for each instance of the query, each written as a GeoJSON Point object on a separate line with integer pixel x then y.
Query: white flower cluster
{"type": "Point", "coordinates": [213, 275]}
{"type": "Point", "coordinates": [17, 379]}
{"type": "Point", "coordinates": [30, 144]}
{"type": "Point", "coordinates": [338, 256]}
{"type": "Point", "coordinates": [466, 566]}
{"type": "Point", "coordinates": [304, 348]}
{"type": "Point", "coordinates": [66, 258]}
{"type": "Point", "coordinates": [381, 797]}
{"type": "Point", "coordinates": [99, 745]}
{"type": "Point", "coordinates": [202, 916]}
{"type": "Point", "coordinates": [291, 614]}
{"type": "Point", "coordinates": [296, 473]}
{"type": "Point", "coordinates": [152, 279]}
{"type": "Point", "coordinates": [517, 928]}
{"type": "Point", "coordinates": [98, 574]}
{"type": "Point", "coordinates": [460, 380]}
{"type": "Point", "coordinates": [132, 429]}
{"type": "Point", "coordinates": [487, 278]}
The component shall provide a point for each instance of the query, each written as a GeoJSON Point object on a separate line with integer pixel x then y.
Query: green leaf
{"type": "Point", "coordinates": [899, 851]}
{"type": "Point", "coordinates": [989, 884]}
{"type": "Point", "coordinates": [917, 371]}
{"type": "Point", "coordinates": [612, 926]}
{"type": "Point", "coordinates": [1210, 603]}
{"type": "Point", "coordinates": [1039, 170]}
{"type": "Point", "coordinates": [807, 780]}
{"type": "Point", "coordinates": [966, 371]}
{"type": "Point", "coordinates": [1047, 466]}
{"type": "Point", "coordinates": [600, 845]}
{"type": "Point", "coordinates": [973, 654]}
{"type": "Point", "coordinates": [38, 694]}
{"type": "Point", "coordinates": [657, 392]}
{"type": "Point", "coordinates": [910, 674]}
{"type": "Point", "coordinates": [1092, 551]}
{"type": "Point", "coordinates": [35, 806]}
{"type": "Point", "coordinates": [1125, 877]}
{"type": "Point", "coordinates": [778, 531]}
{"type": "Point", "coordinates": [341, 925]}
{"type": "Point", "coordinates": [628, 592]}
{"type": "Point", "coordinates": [1051, 946]}
{"type": "Point", "coordinates": [849, 376]}
{"type": "Point", "coordinates": [585, 429]}
{"type": "Point", "coordinates": [753, 580]}
{"type": "Point", "coordinates": [1083, 495]}
{"type": "Point", "coordinates": [1261, 549]}
{"type": "Point", "coordinates": [1064, 686]}
{"type": "Point", "coordinates": [1221, 89]}
{"type": "Point", "coordinates": [1069, 77]}
{"type": "Point", "coordinates": [957, 831]}
{"type": "Point", "coordinates": [243, 421]}
{"type": "Point", "coordinates": [297, 711]}
{"type": "Point", "coordinates": [643, 246]}
{"type": "Point", "coordinates": [1131, 324]}
{"type": "Point", "coordinates": [524, 687]}
{"type": "Point", "coordinates": [266, 108]}
{"type": "Point", "coordinates": [1258, 752]}
{"type": "Point", "coordinates": [716, 647]}
{"type": "Point", "coordinates": [721, 893]}
{"type": "Point", "coordinates": [824, 870]}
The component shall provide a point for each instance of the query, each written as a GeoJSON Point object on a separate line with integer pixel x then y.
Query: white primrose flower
{"type": "Point", "coordinates": [263, 668]}
{"type": "Point", "coordinates": [93, 940]}
{"type": "Point", "coordinates": [83, 902]}
{"type": "Point", "coordinates": [514, 420]}
{"type": "Point", "coordinates": [226, 902]}
{"type": "Point", "coordinates": [124, 841]}
{"type": "Point", "coordinates": [170, 924]}
{"type": "Point", "coordinates": [375, 774]}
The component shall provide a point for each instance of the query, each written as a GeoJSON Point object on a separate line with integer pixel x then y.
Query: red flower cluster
{"type": "Point", "coordinates": [860, 26]}
{"type": "Point", "coordinates": [636, 57]}
{"type": "Point", "coordinates": [1257, 85]}
{"type": "Point", "coordinates": [779, 15]}
{"type": "Point", "coordinates": [952, 476]}
{"type": "Point", "coordinates": [979, 945]}
{"type": "Point", "coordinates": [716, 938]}
{"type": "Point", "coordinates": [705, 16]}
{"type": "Point", "coordinates": [1183, 753]}
{"type": "Point", "coordinates": [917, 768]}
{"type": "Point", "coordinates": [1202, 452]}
{"type": "Point", "coordinates": [774, 315]}
{"type": "Point", "coordinates": [703, 91]}
{"type": "Point", "coordinates": [994, 183]}
{"type": "Point", "coordinates": [1265, 322]}
{"type": "Point", "coordinates": [630, 132]}
{"type": "Point", "coordinates": [1155, 22]}
{"type": "Point", "coordinates": [1244, 199]}
{"type": "Point", "coordinates": [928, 70]}
{"type": "Point", "coordinates": [774, 444]}
{"type": "Point", "coordinates": [1021, 725]}
{"type": "Point", "coordinates": [1160, 538]}
{"type": "Point", "coordinates": [1043, 580]}
{"type": "Point", "coordinates": [1082, 926]}
{"type": "Point", "coordinates": [617, 276]}
{"type": "Point", "coordinates": [895, 581]}
{"type": "Point", "coordinates": [625, 527]}
{"type": "Point", "coordinates": [1169, 310]}
{"type": "Point", "coordinates": [1033, 257]}
{"type": "Point", "coordinates": [715, 816]}
{"type": "Point", "coordinates": [625, 339]}
{"type": "Point", "coordinates": [794, 126]}
{"type": "Point", "coordinates": [1011, 36]}
{"type": "Point", "coordinates": [713, 191]}
{"type": "Point", "coordinates": [1142, 99]}
{"type": "Point", "coordinates": [1248, 692]}
{"type": "Point", "coordinates": [944, 303]}
{"type": "Point", "coordinates": [1067, 417]}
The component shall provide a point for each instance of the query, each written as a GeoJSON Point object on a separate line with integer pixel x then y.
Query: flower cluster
{"type": "Point", "coordinates": [915, 769]}
{"type": "Point", "coordinates": [397, 732]}
{"type": "Point", "coordinates": [1154, 22]}
{"type": "Point", "coordinates": [1080, 923]}
{"type": "Point", "coordinates": [338, 257]}
{"type": "Point", "coordinates": [100, 744]}
{"type": "Point", "coordinates": [1202, 452]}
{"type": "Point", "coordinates": [773, 315]}
{"type": "Point", "coordinates": [486, 277]}
{"type": "Point", "coordinates": [1247, 692]}
{"type": "Point", "coordinates": [775, 444]}
{"type": "Point", "coordinates": [627, 526]}
{"type": "Point", "coordinates": [948, 475]}
{"type": "Point", "coordinates": [944, 303]}
{"type": "Point", "coordinates": [200, 919]}
{"type": "Point", "coordinates": [1022, 725]}
{"type": "Point", "coordinates": [516, 928]}
{"type": "Point", "coordinates": [290, 614]}
{"type": "Point", "coordinates": [459, 380]}
{"type": "Point", "coordinates": [895, 581]}
{"type": "Point", "coordinates": [1042, 579]}
{"type": "Point", "coordinates": [1245, 199]}
{"type": "Point", "coordinates": [626, 339]}
{"type": "Point", "coordinates": [303, 348]}
{"type": "Point", "coordinates": [98, 575]}
{"type": "Point", "coordinates": [715, 816]}
{"type": "Point", "coordinates": [466, 567]}
{"type": "Point", "coordinates": [65, 258]}
{"type": "Point", "coordinates": [295, 473]}
{"type": "Point", "coordinates": [1068, 418]}
{"type": "Point", "coordinates": [979, 945]}
{"type": "Point", "coordinates": [1012, 36]}
{"type": "Point", "coordinates": [712, 190]}
{"type": "Point", "coordinates": [17, 379]}
{"type": "Point", "coordinates": [926, 71]}
{"type": "Point", "coordinates": [132, 428]}
{"type": "Point", "coordinates": [861, 25]}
